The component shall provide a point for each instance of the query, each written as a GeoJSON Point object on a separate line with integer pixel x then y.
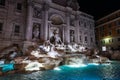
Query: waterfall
{"type": "Point", "coordinates": [77, 59]}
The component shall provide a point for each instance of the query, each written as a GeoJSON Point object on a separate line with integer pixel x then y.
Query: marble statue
{"type": "Point", "coordinates": [36, 32]}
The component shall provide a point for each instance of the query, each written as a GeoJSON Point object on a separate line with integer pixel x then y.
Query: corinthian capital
{"type": "Point", "coordinates": [45, 7]}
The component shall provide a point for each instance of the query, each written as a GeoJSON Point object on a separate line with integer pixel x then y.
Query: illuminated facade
{"type": "Point", "coordinates": [23, 22]}
{"type": "Point", "coordinates": [108, 31]}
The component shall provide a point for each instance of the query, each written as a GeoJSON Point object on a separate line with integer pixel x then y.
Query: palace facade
{"type": "Point", "coordinates": [23, 22]}
{"type": "Point", "coordinates": [108, 31]}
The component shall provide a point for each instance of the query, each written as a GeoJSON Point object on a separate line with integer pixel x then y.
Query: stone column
{"type": "Point", "coordinates": [28, 36]}
{"type": "Point", "coordinates": [63, 33]}
{"type": "Point", "coordinates": [29, 21]}
{"type": "Point", "coordinates": [45, 23]}
{"type": "Point", "coordinates": [49, 25]}
{"type": "Point", "coordinates": [93, 34]}
{"type": "Point", "coordinates": [67, 28]}
{"type": "Point", "coordinates": [77, 33]}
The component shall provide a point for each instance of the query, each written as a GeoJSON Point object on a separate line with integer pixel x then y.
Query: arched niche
{"type": "Point", "coordinates": [56, 19]}
{"type": "Point", "coordinates": [56, 22]}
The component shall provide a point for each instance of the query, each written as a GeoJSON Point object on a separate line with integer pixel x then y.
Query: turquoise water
{"type": "Point", "coordinates": [84, 72]}
{"type": "Point", "coordinates": [7, 67]}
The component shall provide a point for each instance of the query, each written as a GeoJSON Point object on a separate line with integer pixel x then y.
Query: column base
{"type": "Point", "coordinates": [27, 44]}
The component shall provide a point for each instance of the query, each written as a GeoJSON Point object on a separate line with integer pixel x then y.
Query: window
{"type": "Point", "coordinates": [109, 41]}
{"type": "Point", "coordinates": [110, 33]}
{"type": "Point", "coordinates": [85, 24]}
{"type": "Point", "coordinates": [118, 39]}
{"type": "Point", "coordinates": [80, 39]}
{"type": "Point", "coordinates": [112, 40]}
{"type": "Point", "coordinates": [90, 26]}
{"type": "Point", "coordinates": [91, 39]}
{"type": "Point", "coordinates": [119, 47]}
{"type": "Point", "coordinates": [118, 23]}
{"type": "Point", "coordinates": [103, 28]}
{"type": "Point", "coordinates": [109, 26]}
{"type": "Point", "coordinates": [17, 29]}
{"type": "Point", "coordinates": [118, 31]}
{"type": "Point", "coordinates": [19, 6]}
{"type": "Point", "coordinates": [86, 39]}
{"type": "Point", "coordinates": [72, 22]}
{"type": "Point", "coordinates": [2, 2]}
{"type": "Point", "coordinates": [103, 42]}
{"type": "Point", "coordinates": [102, 35]}
{"type": "Point", "coordinates": [1, 25]}
{"type": "Point", "coordinates": [79, 23]}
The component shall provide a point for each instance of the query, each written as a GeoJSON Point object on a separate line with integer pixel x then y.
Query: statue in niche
{"type": "Point", "coordinates": [72, 36]}
{"type": "Point", "coordinates": [55, 39]}
{"type": "Point", "coordinates": [36, 32]}
{"type": "Point", "coordinates": [58, 39]}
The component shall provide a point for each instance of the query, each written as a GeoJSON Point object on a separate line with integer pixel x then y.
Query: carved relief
{"type": "Point", "coordinates": [73, 3]}
{"type": "Point", "coordinates": [37, 13]}
{"type": "Point", "coordinates": [45, 7]}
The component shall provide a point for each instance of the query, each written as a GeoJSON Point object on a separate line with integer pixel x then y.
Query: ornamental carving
{"type": "Point", "coordinates": [45, 7]}
{"type": "Point", "coordinates": [37, 13]}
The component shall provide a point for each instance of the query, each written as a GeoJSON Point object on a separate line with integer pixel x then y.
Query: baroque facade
{"type": "Point", "coordinates": [24, 21]}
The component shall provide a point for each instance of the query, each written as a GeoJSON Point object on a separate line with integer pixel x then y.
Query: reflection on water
{"type": "Point", "coordinates": [88, 72]}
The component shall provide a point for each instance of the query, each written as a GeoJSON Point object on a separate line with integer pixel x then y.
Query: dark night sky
{"type": "Point", "coordinates": [99, 8]}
